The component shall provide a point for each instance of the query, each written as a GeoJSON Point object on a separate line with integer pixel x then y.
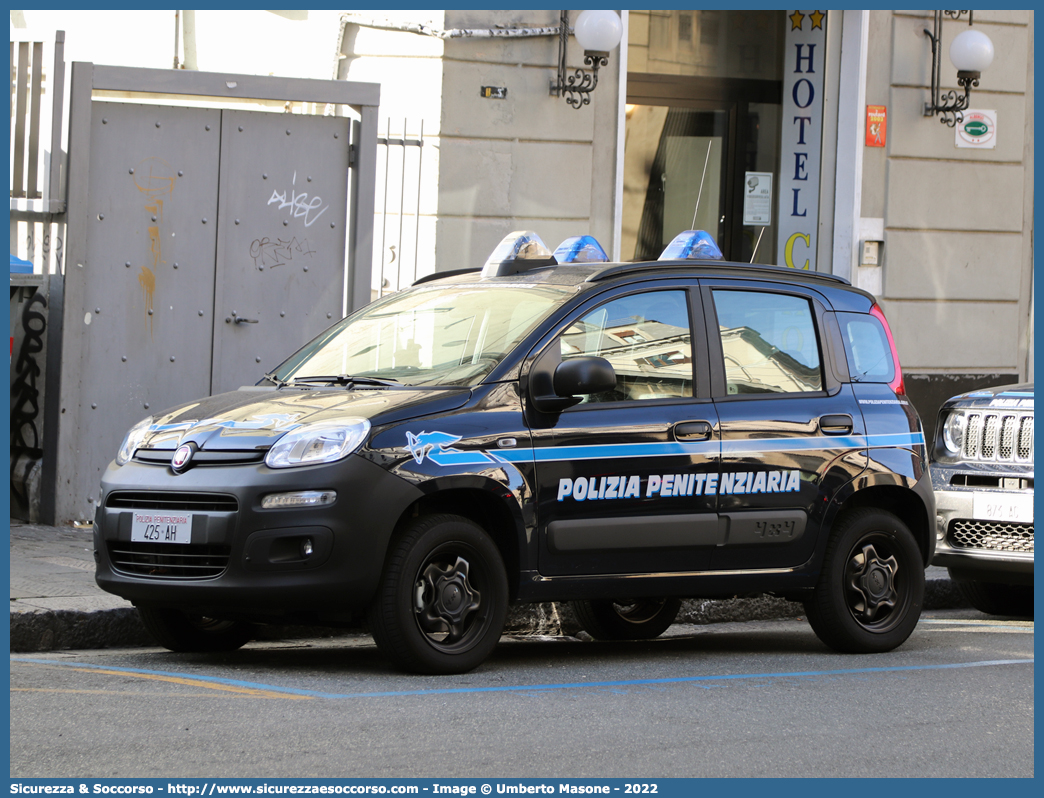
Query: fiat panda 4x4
{"type": "Point", "coordinates": [550, 427]}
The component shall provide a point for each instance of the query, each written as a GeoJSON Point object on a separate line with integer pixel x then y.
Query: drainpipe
{"type": "Point", "coordinates": [848, 193]}
{"type": "Point", "coordinates": [453, 33]}
{"type": "Point", "coordinates": [189, 36]}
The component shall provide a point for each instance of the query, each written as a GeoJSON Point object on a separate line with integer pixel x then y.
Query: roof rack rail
{"type": "Point", "coordinates": [439, 275]}
{"type": "Point", "coordinates": [709, 265]}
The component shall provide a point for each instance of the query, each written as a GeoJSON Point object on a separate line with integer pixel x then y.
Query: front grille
{"type": "Point", "coordinates": [169, 560]}
{"type": "Point", "coordinates": [990, 536]}
{"type": "Point", "coordinates": [201, 458]}
{"type": "Point", "coordinates": [999, 437]}
{"type": "Point", "coordinates": [164, 500]}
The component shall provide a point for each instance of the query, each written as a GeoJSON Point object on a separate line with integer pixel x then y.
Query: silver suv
{"type": "Point", "coordinates": [982, 474]}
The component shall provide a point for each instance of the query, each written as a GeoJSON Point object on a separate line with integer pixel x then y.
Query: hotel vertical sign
{"type": "Point", "coordinates": [802, 138]}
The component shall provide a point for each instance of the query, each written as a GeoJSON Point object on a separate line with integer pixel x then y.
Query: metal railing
{"type": "Point", "coordinates": [36, 136]}
{"type": "Point", "coordinates": [400, 261]}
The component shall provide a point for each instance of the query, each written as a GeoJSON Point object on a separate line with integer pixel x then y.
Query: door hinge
{"type": "Point", "coordinates": [351, 155]}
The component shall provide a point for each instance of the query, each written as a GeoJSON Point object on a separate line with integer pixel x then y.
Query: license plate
{"type": "Point", "coordinates": [1003, 507]}
{"type": "Point", "coordinates": [161, 528]}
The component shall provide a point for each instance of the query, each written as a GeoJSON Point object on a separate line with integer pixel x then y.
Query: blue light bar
{"type": "Point", "coordinates": [581, 249]}
{"type": "Point", "coordinates": [517, 252]}
{"type": "Point", "coordinates": [692, 245]}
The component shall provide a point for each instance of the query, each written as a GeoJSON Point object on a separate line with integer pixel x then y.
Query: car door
{"type": "Point", "coordinates": [791, 431]}
{"type": "Point", "coordinates": [625, 478]}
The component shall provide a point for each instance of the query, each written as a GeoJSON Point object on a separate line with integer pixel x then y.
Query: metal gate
{"type": "Point", "coordinates": [214, 243]}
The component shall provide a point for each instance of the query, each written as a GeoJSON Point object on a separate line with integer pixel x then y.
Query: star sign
{"type": "Point", "coordinates": [817, 19]}
{"type": "Point", "coordinates": [797, 20]}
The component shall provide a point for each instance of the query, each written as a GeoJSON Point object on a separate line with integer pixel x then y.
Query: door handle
{"type": "Point", "coordinates": [241, 320]}
{"type": "Point", "coordinates": [839, 424]}
{"type": "Point", "coordinates": [693, 430]}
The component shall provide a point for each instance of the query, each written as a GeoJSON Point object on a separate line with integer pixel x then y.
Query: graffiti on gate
{"type": "Point", "coordinates": [268, 252]}
{"type": "Point", "coordinates": [25, 395]}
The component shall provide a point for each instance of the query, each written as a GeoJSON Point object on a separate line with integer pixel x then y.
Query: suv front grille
{"type": "Point", "coordinates": [999, 437]}
{"type": "Point", "coordinates": [159, 500]}
{"type": "Point", "coordinates": [990, 536]}
{"type": "Point", "coordinates": [169, 561]}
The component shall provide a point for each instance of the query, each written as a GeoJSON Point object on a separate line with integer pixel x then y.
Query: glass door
{"type": "Point", "coordinates": [694, 147]}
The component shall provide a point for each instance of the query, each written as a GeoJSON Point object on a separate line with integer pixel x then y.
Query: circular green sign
{"type": "Point", "coordinates": [976, 129]}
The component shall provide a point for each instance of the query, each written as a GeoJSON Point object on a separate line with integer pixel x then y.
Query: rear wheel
{"type": "Point", "coordinates": [627, 619]}
{"type": "Point", "coordinates": [189, 632]}
{"type": "Point", "coordinates": [998, 599]}
{"type": "Point", "coordinates": [442, 601]}
{"type": "Point", "coordinates": [871, 587]}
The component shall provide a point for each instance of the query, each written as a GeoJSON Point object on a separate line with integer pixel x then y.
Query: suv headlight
{"type": "Point", "coordinates": [953, 431]}
{"type": "Point", "coordinates": [322, 442]}
{"type": "Point", "coordinates": [133, 440]}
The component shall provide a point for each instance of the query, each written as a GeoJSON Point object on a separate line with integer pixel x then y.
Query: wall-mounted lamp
{"type": "Point", "coordinates": [598, 32]}
{"type": "Point", "coordinates": [971, 52]}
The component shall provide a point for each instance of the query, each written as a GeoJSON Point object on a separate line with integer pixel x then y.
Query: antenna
{"type": "Point", "coordinates": [756, 245]}
{"type": "Point", "coordinates": [700, 195]}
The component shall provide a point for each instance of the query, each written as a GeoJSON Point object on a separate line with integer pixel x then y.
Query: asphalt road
{"type": "Point", "coordinates": [725, 700]}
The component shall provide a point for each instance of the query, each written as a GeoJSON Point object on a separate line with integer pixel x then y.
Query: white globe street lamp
{"type": "Point", "coordinates": [598, 32]}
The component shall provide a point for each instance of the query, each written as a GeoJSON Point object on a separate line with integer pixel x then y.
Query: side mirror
{"type": "Point", "coordinates": [554, 383]}
{"type": "Point", "coordinates": [582, 375]}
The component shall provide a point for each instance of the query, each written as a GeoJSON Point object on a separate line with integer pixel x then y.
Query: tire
{"type": "Point", "coordinates": [871, 587]}
{"type": "Point", "coordinates": [185, 632]}
{"type": "Point", "coordinates": [627, 619]}
{"type": "Point", "coordinates": [442, 600]}
{"type": "Point", "coordinates": [994, 598]}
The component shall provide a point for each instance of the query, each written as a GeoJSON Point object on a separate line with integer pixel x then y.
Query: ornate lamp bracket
{"type": "Point", "coordinates": [949, 105]}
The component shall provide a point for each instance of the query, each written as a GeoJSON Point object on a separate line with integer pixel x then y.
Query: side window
{"type": "Point", "coordinates": [866, 344]}
{"type": "Point", "coordinates": [647, 339]}
{"type": "Point", "coordinates": [769, 342]}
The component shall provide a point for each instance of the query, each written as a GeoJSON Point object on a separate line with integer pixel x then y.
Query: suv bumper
{"type": "Point", "coordinates": [971, 548]}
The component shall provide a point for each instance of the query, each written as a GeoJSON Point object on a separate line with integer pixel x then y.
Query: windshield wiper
{"type": "Point", "coordinates": [276, 381]}
{"type": "Point", "coordinates": [346, 379]}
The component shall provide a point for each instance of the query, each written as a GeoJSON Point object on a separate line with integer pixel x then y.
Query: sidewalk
{"type": "Point", "coordinates": [55, 603]}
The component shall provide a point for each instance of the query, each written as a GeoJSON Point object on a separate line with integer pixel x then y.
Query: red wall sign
{"type": "Point", "coordinates": [876, 125]}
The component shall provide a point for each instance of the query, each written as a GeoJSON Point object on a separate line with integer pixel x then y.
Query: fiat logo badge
{"type": "Point", "coordinates": [180, 460]}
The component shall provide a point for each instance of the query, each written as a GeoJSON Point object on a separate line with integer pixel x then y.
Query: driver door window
{"type": "Point", "coordinates": [647, 339]}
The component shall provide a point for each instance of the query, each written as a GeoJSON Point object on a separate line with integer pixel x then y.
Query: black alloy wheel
{"type": "Point", "coordinates": [627, 619]}
{"type": "Point", "coordinates": [871, 587]}
{"type": "Point", "coordinates": [442, 601]}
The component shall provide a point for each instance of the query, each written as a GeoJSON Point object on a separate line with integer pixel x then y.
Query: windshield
{"type": "Point", "coordinates": [427, 336]}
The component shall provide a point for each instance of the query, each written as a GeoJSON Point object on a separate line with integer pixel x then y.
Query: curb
{"type": "Point", "coordinates": [55, 630]}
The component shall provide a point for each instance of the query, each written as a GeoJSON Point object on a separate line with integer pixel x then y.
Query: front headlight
{"type": "Point", "coordinates": [133, 440]}
{"type": "Point", "coordinates": [953, 431]}
{"type": "Point", "coordinates": [322, 442]}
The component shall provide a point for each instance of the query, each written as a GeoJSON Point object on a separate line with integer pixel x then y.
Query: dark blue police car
{"type": "Point", "coordinates": [551, 427]}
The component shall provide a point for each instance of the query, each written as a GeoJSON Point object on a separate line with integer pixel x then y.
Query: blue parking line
{"type": "Point", "coordinates": [540, 688]}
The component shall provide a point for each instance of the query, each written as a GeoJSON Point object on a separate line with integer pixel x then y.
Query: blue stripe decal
{"type": "Point", "coordinates": [542, 688]}
{"type": "Point", "coordinates": [548, 454]}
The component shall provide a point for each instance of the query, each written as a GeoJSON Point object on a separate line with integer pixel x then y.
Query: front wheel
{"type": "Point", "coordinates": [190, 632]}
{"type": "Point", "coordinates": [442, 601]}
{"type": "Point", "coordinates": [871, 588]}
{"type": "Point", "coordinates": [994, 598]}
{"type": "Point", "coordinates": [627, 619]}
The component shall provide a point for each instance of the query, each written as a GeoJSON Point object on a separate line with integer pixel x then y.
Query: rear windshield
{"type": "Point", "coordinates": [866, 343]}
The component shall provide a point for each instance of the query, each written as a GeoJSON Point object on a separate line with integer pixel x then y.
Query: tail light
{"type": "Point", "coordinates": [897, 382]}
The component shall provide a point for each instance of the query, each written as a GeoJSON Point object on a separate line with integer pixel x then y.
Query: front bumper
{"type": "Point", "coordinates": [976, 548]}
{"type": "Point", "coordinates": [245, 561]}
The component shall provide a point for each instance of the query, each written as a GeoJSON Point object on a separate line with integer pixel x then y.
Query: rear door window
{"type": "Point", "coordinates": [769, 342]}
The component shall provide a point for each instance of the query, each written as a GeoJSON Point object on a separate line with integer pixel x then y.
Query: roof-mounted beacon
{"type": "Point", "coordinates": [692, 245]}
{"type": "Point", "coordinates": [519, 251]}
{"type": "Point", "coordinates": [581, 249]}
